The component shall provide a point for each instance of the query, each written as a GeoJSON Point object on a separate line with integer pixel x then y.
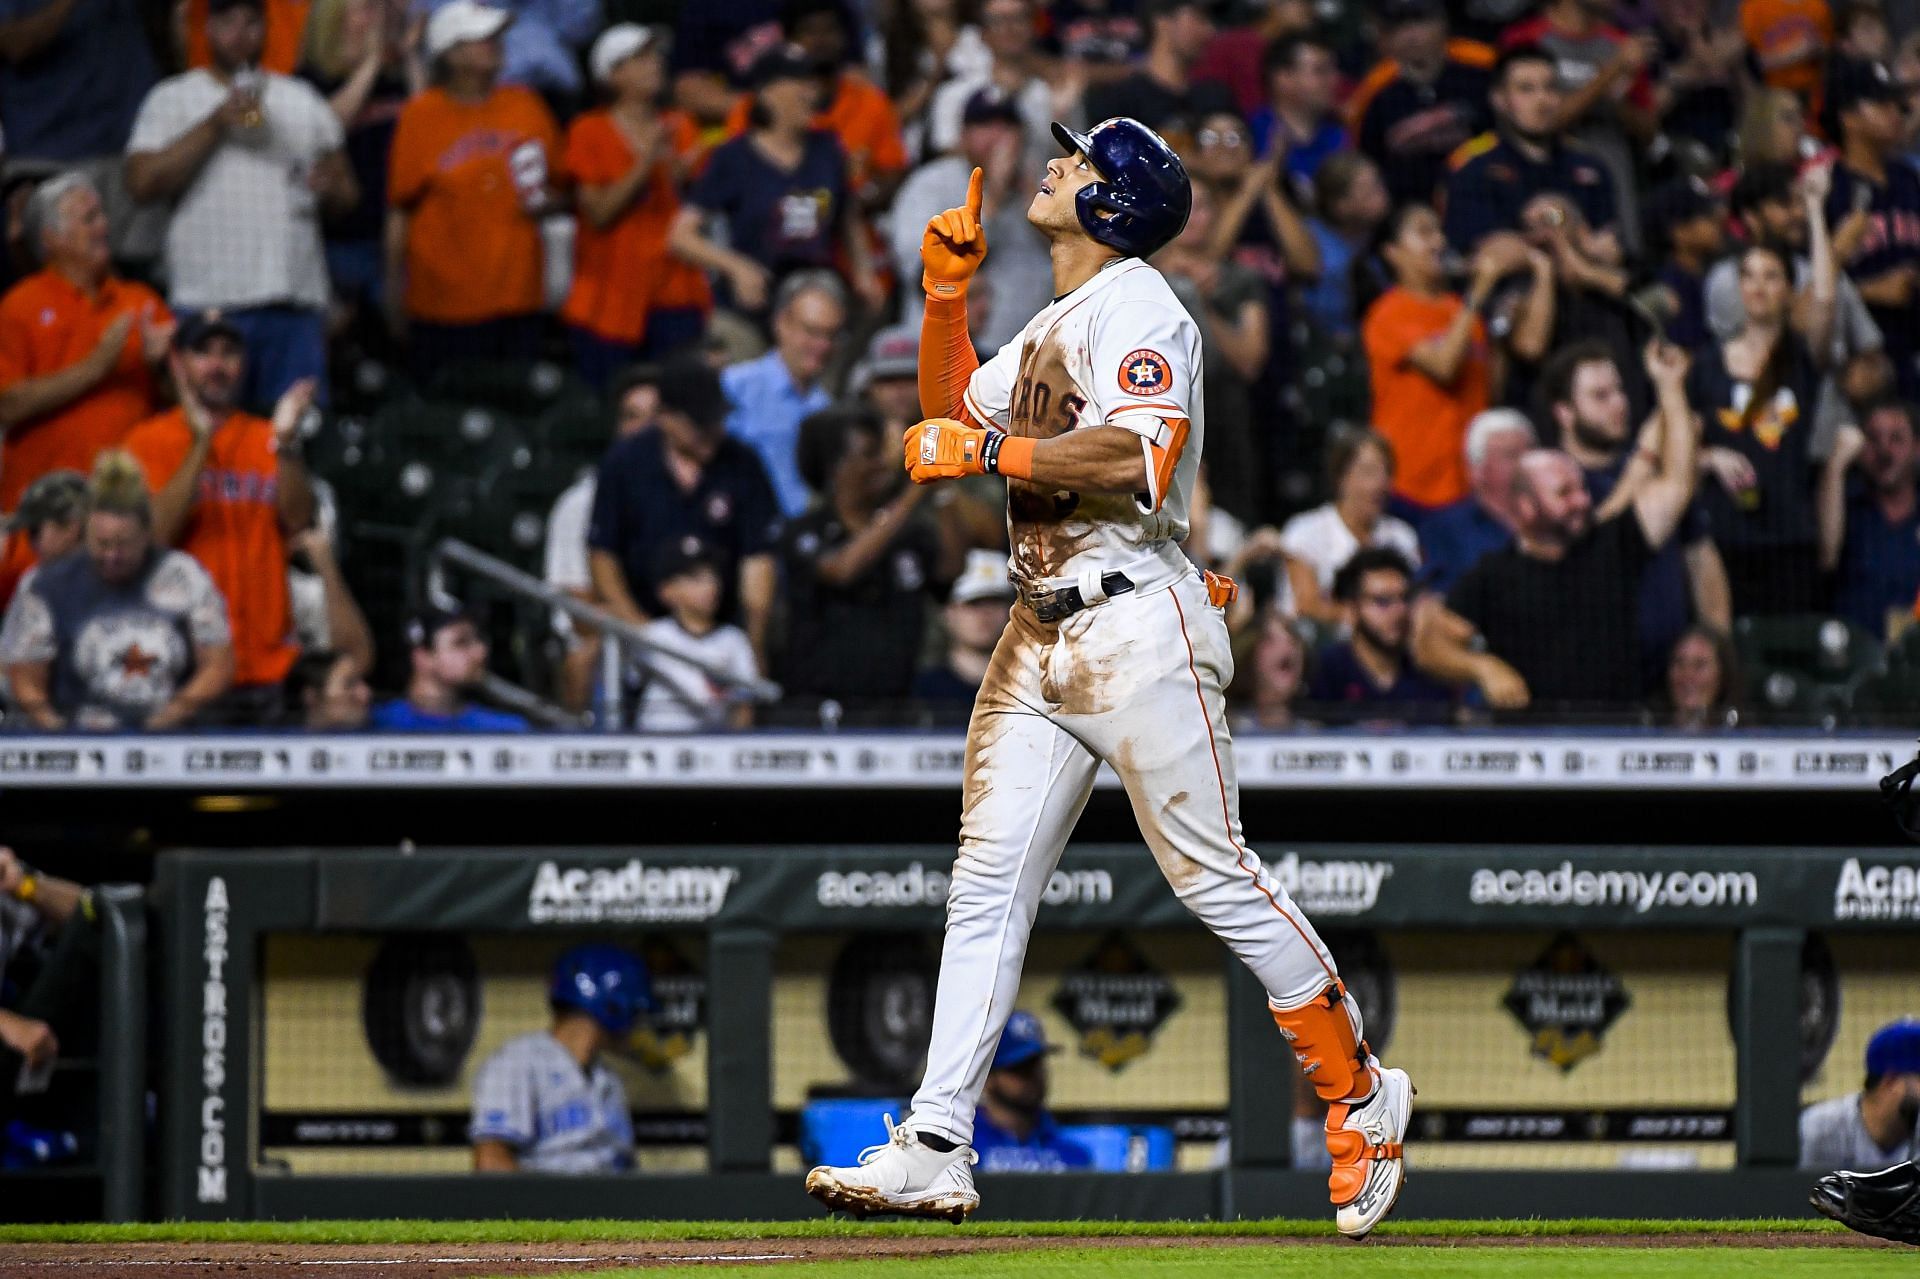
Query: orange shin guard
{"type": "Point", "coordinates": [1325, 1037]}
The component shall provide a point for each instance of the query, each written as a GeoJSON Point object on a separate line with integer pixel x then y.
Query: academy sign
{"type": "Point", "coordinates": [629, 894]}
{"type": "Point", "coordinates": [1331, 888]}
{"type": "Point", "coordinates": [915, 885]}
{"type": "Point", "coordinates": [1874, 892]}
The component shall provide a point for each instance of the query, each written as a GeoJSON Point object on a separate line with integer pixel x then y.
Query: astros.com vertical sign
{"type": "Point", "coordinates": [211, 1178]}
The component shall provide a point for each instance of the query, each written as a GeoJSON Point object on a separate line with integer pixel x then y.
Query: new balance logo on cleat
{"type": "Point", "coordinates": [904, 1176]}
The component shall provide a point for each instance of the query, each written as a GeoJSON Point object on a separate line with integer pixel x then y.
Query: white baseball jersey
{"type": "Point", "coordinates": [1833, 1135]}
{"type": "Point", "coordinates": [1121, 351]}
{"type": "Point", "coordinates": [532, 1095]}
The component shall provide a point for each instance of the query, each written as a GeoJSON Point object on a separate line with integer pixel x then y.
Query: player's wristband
{"type": "Point", "coordinates": [943, 290]}
{"type": "Point", "coordinates": [1008, 455]}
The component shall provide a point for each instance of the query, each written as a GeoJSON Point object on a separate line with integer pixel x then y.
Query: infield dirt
{"type": "Point", "coordinates": [191, 1260]}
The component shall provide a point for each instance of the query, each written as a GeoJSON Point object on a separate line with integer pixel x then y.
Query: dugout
{"type": "Point", "coordinates": [1595, 1030]}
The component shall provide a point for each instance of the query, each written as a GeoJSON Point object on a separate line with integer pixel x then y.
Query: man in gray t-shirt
{"type": "Point", "coordinates": [1875, 1127]}
{"type": "Point", "coordinates": [547, 1101]}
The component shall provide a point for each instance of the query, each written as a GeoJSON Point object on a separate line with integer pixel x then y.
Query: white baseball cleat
{"type": "Point", "coordinates": [901, 1175]}
{"type": "Point", "coordinates": [1369, 1166]}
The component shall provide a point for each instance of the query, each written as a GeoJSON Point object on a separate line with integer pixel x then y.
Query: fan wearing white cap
{"type": "Point", "coordinates": [630, 299]}
{"type": "Point", "coordinates": [467, 183]}
{"type": "Point", "coordinates": [975, 615]}
{"type": "Point", "coordinates": [459, 22]}
{"type": "Point", "coordinates": [542, 49]}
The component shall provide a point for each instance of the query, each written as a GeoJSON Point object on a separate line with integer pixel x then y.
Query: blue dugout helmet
{"type": "Point", "coordinates": [607, 983]}
{"type": "Point", "coordinates": [1144, 195]}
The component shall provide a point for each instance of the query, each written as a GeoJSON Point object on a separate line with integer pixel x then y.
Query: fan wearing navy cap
{"type": "Point", "coordinates": [1686, 229]}
{"type": "Point", "coordinates": [686, 476]}
{"type": "Point", "coordinates": [1014, 283]}
{"type": "Point", "coordinates": [1013, 1130]}
{"type": "Point", "coordinates": [678, 690]}
{"type": "Point", "coordinates": [785, 190]}
{"type": "Point", "coordinates": [547, 1101]}
{"type": "Point", "coordinates": [449, 659]}
{"type": "Point", "coordinates": [1864, 113]}
{"type": "Point", "coordinates": [1874, 1128]}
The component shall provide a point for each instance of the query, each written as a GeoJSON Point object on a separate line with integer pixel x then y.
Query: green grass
{"type": "Point", "coordinates": [1360, 1262]}
{"type": "Point", "coordinates": [477, 1232]}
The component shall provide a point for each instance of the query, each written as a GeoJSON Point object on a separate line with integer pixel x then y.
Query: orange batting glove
{"type": "Point", "coordinates": [953, 246]}
{"type": "Point", "coordinates": [943, 449]}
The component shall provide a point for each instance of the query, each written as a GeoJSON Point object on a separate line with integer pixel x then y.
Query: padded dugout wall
{"type": "Point", "coordinates": [298, 933]}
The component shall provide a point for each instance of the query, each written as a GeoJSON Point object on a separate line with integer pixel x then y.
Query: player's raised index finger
{"type": "Point", "coordinates": [975, 185]}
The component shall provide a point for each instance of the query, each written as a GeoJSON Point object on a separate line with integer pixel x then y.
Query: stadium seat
{"type": "Point", "coordinates": [576, 430]}
{"type": "Point", "coordinates": [511, 386]}
{"type": "Point", "coordinates": [1829, 649]}
{"type": "Point", "coordinates": [523, 497]}
{"type": "Point", "coordinates": [1888, 697]}
{"type": "Point", "coordinates": [836, 1130]}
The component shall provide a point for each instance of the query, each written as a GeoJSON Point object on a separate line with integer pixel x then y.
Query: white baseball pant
{"type": "Point", "coordinates": [1136, 682]}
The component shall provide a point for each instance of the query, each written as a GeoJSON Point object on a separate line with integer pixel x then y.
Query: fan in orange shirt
{"type": "Point", "coordinates": [77, 345]}
{"type": "Point", "coordinates": [228, 488]}
{"type": "Point", "coordinates": [468, 181]}
{"type": "Point", "coordinates": [1433, 367]}
{"type": "Point", "coordinates": [630, 297]}
{"type": "Point", "coordinates": [1790, 38]}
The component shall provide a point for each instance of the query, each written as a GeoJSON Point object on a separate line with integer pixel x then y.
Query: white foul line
{"type": "Point", "coordinates": [655, 1258]}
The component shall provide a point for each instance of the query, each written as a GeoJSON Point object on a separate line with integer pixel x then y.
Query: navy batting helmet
{"type": "Point", "coordinates": [606, 983]}
{"type": "Point", "coordinates": [1143, 198]}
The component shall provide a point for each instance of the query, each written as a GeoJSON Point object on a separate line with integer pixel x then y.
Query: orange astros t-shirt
{"type": "Point", "coordinates": [472, 253]}
{"type": "Point", "coordinates": [233, 531]}
{"type": "Point", "coordinates": [622, 271]}
{"type": "Point", "coordinates": [1790, 39]}
{"type": "Point", "coordinates": [1425, 422]}
{"type": "Point", "coordinates": [47, 324]}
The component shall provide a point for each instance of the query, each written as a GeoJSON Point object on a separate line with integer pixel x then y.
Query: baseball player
{"type": "Point", "coordinates": [546, 1101]}
{"type": "Point", "coordinates": [1115, 651]}
{"type": "Point", "coordinates": [1013, 1131]}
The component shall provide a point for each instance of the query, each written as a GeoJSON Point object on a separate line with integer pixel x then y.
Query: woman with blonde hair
{"type": "Point", "coordinates": [1316, 543]}
{"type": "Point", "coordinates": [126, 634]}
{"type": "Point", "coordinates": [1773, 129]}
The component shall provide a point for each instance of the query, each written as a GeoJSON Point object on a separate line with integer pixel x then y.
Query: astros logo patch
{"type": "Point", "coordinates": [1145, 372]}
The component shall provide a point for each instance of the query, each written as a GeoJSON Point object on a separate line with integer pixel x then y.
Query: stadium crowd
{"type": "Point", "coordinates": [1560, 356]}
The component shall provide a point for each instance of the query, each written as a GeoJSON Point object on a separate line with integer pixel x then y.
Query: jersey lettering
{"type": "Point", "coordinates": [1032, 399]}
{"type": "Point", "coordinates": [1120, 353]}
{"type": "Point", "coordinates": [1029, 504]}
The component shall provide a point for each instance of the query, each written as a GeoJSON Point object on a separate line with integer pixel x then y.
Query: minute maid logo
{"type": "Point", "coordinates": [629, 894]}
{"type": "Point", "coordinates": [1770, 425]}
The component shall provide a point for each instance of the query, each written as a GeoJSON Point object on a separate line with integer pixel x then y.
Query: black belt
{"type": "Point", "coordinates": [1065, 601]}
